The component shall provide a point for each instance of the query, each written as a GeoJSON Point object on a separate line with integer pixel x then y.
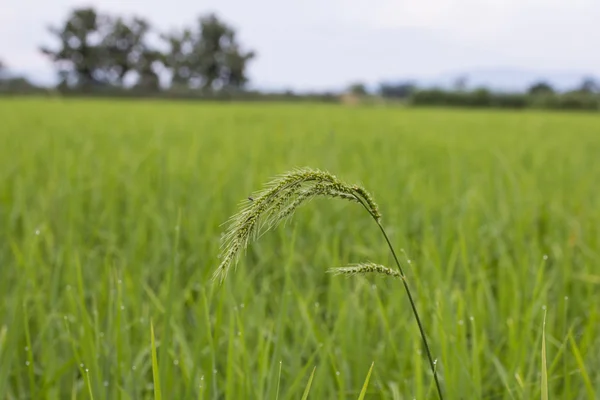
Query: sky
{"type": "Point", "coordinates": [320, 44]}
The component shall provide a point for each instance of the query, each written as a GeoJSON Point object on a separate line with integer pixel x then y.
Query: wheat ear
{"type": "Point", "coordinates": [365, 269]}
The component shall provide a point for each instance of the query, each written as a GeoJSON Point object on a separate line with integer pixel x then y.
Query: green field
{"type": "Point", "coordinates": [111, 214]}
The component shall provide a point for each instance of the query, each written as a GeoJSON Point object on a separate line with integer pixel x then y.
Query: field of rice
{"type": "Point", "coordinates": [111, 214]}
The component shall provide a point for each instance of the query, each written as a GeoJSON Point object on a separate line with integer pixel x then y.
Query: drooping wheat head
{"type": "Point", "coordinates": [276, 202]}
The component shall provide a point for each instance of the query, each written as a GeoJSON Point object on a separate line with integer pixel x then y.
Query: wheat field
{"type": "Point", "coordinates": [111, 216]}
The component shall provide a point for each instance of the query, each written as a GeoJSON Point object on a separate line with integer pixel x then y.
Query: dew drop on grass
{"type": "Point", "coordinates": [119, 281]}
{"type": "Point", "coordinates": [202, 378]}
{"type": "Point", "coordinates": [317, 304]}
{"type": "Point", "coordinates": [214, 371]}
{"type": "Point", "coordinates": [544, 307]}
{"type": "Point", "coordinates": [133, 368]}
{"type": "Point", "coordinates": [68, 287]}
{"type": "Point", "coordinates": [374, 286]}
{"type": "Point", "coordinates": [435, 362]}
{"type": "Point", "coordinates": [176, 362]}
{"type": "Point", "coordinates": [566, 297]}
{"type": "Point", "coordinates": [471, 318]}
{"type": "Point", "coordinates": [408, 261]}
{"type": "Point", "coordinates": [26, 348]}
{"type": "Point", "coordinates": [101, 334]}
{"type": "Point", "coordinates": [460, 322]}
{"type": "Point", "coordinates": [122, 307]}
{"type": "Point", "coordinates": [242, 305]}
{"type": "Point", "coordinates": [81, 365]}
{"type": "Point", "coordinates": [545, 256]}
{"type": "Point", "coordinates": [337, 373]}
{"type": "Point", "coordinates": [87, 370]}
{"type": "Point", "coordinates": [27, 363]}
{"type": "Point", "coordinates": [105, 383]}
{"type": "Point", "coordinates": [37, 232]}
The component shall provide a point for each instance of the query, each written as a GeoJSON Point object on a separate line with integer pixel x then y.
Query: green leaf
{"type": "Point", "coordinates": [544, 369]}
{"type": "Point", "coordinates": [581, 364]}
{"type": "Point", "coordinates": [155, 370]}
{"type": "Point", "coordinates": [363, 392]}
{"type": "Point", "coordinates": [307, 390]}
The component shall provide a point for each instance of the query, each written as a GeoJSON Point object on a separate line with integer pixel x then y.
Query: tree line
{"type": "Point", "coordinates": [94, 50]}
{"type": "Point", "coordinates": [585, 96]}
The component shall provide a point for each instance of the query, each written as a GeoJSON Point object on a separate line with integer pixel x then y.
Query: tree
{"type": "Point", "coordinates": [3, 70]}
{"type": "Point", "coordinates": [79, 56]}
{"type": "Point", "coordinates": [126, 50]}
{"type": "Point", "coordinates": [358, 89]}
{"type": "Point", "coordinates": [101, 50]}
{"type": "Point", "coordinates": [460, 84]}
{"type": "Point", "coordinates": [10, 83]}
{"type": "Point", "coordinates": [399, 90]}
{"type": "Point", "coordinates": [98, 49]}
{"type": "Point", "coordinates": [540, 88]}
{"type": "Point", "coordinates": [180, 57]}
{"type": "Point", "coordinates": [589, 85]}
{"type": "Point", "coordinates": [209, 57]}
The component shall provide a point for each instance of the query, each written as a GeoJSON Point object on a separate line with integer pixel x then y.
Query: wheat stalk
{"type": "Point", "coordinates": [279, 199]}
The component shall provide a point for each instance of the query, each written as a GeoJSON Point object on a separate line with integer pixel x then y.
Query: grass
{"type": "Point", "coordinates": [111, 216]}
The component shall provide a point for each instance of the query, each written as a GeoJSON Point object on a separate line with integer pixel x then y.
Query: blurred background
{"type": "Point", "coordinates": [382, 49]}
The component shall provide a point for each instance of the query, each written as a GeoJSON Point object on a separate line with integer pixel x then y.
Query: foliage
{"type": "Point", "coordinates": [101, 50]}
{"type": "Point", "coordinates": [589, 85]}
{"type": "Point", "coordinates": [482, 98]}
{"type": "Point", "coordinates": [11, 84]}
{"type": "Point", "coordinates": [541, 88]}
{"type": "Point", "coordinates": [358, 89]}
{"type": "Point", "coordinates": [209, 57]}
{"type": "Point", "coordinates": [400, 90]}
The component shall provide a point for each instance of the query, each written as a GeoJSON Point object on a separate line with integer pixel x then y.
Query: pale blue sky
{"type": "Point", "coordinates": [329, 43]}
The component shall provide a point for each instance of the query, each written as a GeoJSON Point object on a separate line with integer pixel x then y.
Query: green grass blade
{"type": "Point", "coordinates": [363, 392]}
{"type": "Point", "coordinates": [278, 381]}
{"type": "Point", "coordinates": [308, 385]}
{"type": "Point", "coordinates": [89, 384]}
{"type": "Point", "coordinates": [155, 370]}
{"type": "Point", "coordinates": [581, 365]}
{"type": "Point", "coordinates": [544, 369]}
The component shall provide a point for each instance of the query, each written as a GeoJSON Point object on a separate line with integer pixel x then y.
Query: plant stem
{"type": "Point", "coordinates": [414, 309]}
{"type": "Point", "coordinates": [411, 300]}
